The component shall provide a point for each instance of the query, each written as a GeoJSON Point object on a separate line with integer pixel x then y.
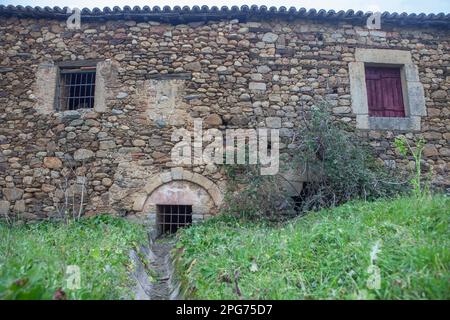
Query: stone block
{"type": "Point", "coordinates": [411, 72]}
{"type": "Point", "coordinates": [270, 37]}
{"type": "Point", "coordinates": [213, 120]}
{"type": "Point", "coordinates": [177, 173]}
{"type": "Point", "coordinates": [216, 195]}
{"type": "Point", "coordinates": [416, 99]}
{"type": "Point", "coordinates": [107, 144]}
{"type": "Point", "coordinates": [45, 88]}
{"type": "Point", "coordinates": [139, 201]}
{"type": "Point", "coordinates": [166, 177]}
{"type": "Point", "coordinates": [386, 56]}
{"type": "Point", "coordinates": [4, 207]}
{"type": "Point", "coordinates": [273, 122]}
{"type": "Point", "coordinates": [52, 163]}
{"type": "Point", "coordinates": [155, 182]}
{"type": "Point", "coordinates": [83, 154]}
{"type": "Point", "coordinates": [201, 181]}
{"type": "Point", "coordinates": [358, 88]}
{"type": "Point", "coordinates": [19, 206]}
{"type": "Point", "coordinates": [187, 175]}
{"type": "Point", "coordinates": [12, 194]}
{"type": "Point", "coordinates": [257, 86]}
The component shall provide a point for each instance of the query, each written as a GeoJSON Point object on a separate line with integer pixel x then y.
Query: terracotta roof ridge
{"type": "Point", "coordinates": [179, 14]}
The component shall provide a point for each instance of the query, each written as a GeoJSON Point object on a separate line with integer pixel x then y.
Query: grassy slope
{"type": "Point", "coordinates": [324, 255]}
{"type": "Point", "coordinates": [37, 256]}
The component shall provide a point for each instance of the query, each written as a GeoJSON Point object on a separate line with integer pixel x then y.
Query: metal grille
{"type": "Point", "coordinates": [172, 217]}
{"type": "Point", "coordinates": [76, 88]}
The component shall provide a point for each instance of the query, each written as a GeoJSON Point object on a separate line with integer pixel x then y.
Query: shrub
{"type": "Point", "coordinates": [339, 164]}
{"type": "Point", "coordinates": [340, 168]}
{"type": "Point", "coordinates": [253, 196]}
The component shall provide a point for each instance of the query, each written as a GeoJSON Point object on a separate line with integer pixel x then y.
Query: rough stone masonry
{"type": "Point", "coordinates": [157, 70]}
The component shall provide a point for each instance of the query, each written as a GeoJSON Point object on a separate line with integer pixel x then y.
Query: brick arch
{"type": "Point", "coordinates": [179, 174]}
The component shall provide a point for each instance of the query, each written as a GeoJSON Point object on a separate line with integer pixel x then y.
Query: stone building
{"type": "Point", "coordinates": [90, 111]}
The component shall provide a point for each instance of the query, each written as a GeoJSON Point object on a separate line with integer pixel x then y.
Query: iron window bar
{"type": "Point", "coordinates": [76, 88]}
{"type": "Point", "coordinates": [172, 217]}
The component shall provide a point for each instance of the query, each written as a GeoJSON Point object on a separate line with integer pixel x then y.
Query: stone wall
{"type": "Point", "coordinates": [158, 77]}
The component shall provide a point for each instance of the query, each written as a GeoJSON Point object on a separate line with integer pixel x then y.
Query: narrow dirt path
{"type": "Point", "coordinates": [160, 269]}
{"type": "Point", "coordinates": [153, 271]}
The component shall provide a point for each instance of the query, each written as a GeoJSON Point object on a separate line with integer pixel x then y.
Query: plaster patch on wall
{"type": "Point", "coordinates": [163, 101]}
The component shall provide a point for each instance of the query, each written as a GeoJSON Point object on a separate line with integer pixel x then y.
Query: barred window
{"type": "Point", "coordinates": [76, 88]}
{"type": "Point", "coordinates": [172, 217]}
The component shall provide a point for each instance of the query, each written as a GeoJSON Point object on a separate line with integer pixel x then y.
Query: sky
{"type": "Point", "coordinates": [409, 6]}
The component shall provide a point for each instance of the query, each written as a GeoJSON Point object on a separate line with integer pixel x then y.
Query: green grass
{"type": "Point", "coordinates": [33, 258]}
{"type": "Point", "coordinates": [324, 255]}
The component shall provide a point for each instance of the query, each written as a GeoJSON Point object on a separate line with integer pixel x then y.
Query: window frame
{"type": "Point", "coordinates": [63, 67]}
{"type": "Point", "coordinates": [46, 81]}
{"type": "Point", "coordinates": [413, 93]}
{"type": "Point", "coordinates": [79, 70]}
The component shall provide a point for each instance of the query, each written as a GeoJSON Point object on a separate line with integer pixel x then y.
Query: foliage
{"type": "Point", "coordinates": [33, 258]}
{"type": "Point", "coordinates": [339, 165]}
{"type": "Point", "coordinates": [253, 196]}
{"type": "Point", "coordinates": [405, 149]}
{"type": "Point", "coordinates": [330, 254]}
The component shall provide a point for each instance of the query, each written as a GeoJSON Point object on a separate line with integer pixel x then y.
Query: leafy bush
{"type": "Point", "coordinates": [340, 168]}
{"type": "Point", "coordinates": [33, 258]}
{"type": "Point", "coordinates": [331, 254]}
{"type": "Point", "coordinates": [340, 165]}
{"type": "Point", "coordinates": [253, 196]}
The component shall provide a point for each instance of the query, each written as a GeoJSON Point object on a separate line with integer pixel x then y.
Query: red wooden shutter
{"type": "Point", "coordinates": [384, 92]}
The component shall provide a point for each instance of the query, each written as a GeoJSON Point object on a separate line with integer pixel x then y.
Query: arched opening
{"type": "Point", "coordinates": [178, 204]}
{"type": "Point", "coordinates": [177, 199]}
